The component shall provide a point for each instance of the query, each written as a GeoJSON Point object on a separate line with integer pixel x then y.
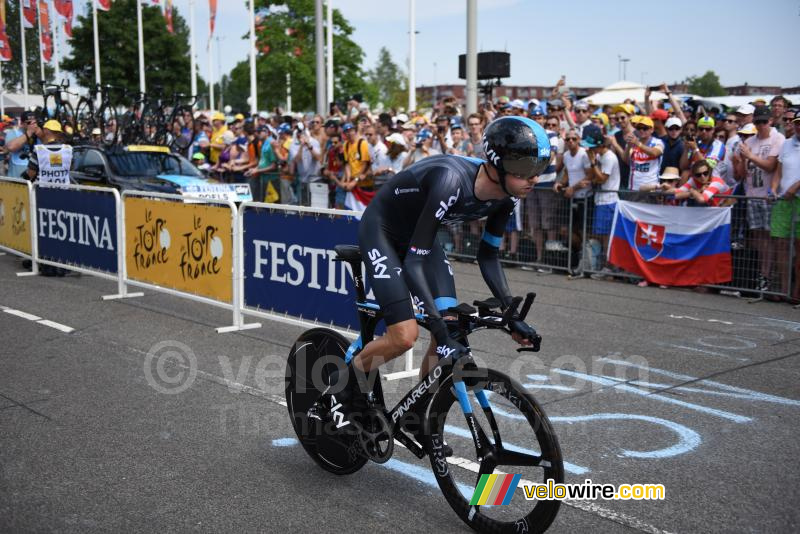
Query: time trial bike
{"type": "Point", "coordinates": [510, 434]}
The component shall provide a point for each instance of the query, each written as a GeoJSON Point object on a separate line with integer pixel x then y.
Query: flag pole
{"type": "Point", "coordinates": [142, 87]}
{"type": "Point", "coordinates": [24, 57]}
{"type": "Point", "coordinates": [2, 93]}
{"type": "Point", "coordinates": [253, 91]}
{"type": "Point", "coordinates": [210, 73]}
{"type": "Point", "coordinates": [96, 49]}
{"type": "Point", "coordinates": [41, 51]}
{"type": "Point", "coordinates": [192, 66]}
{"type": "Point", "coordinates": [329, 77]}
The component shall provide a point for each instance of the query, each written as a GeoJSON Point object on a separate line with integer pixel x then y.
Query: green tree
{"type": "Point", "coordinates": [706, 85]}
{"type": "Point", "coordinates": [12, 70]}
{"type": "Point", "coordinates": [294, 52]}
{"type": "Point", "coordinates": [166, 56]}
{"type": "Point", "coordinates": [389, 83]}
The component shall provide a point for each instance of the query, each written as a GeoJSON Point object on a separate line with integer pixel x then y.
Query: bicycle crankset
{"type": "Point", "coordinates": [375, 436]}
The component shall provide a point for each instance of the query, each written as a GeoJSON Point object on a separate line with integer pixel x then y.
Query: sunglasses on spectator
{"type": "Point", "coordinates": [474, 124]}
{"type": "Point", "coordinates": [622, 117]}
{"type": "Point", "coordinates": [316, 122]}
{"type": "Point", "coordinates": [552, 125]}
{"type": "Point", "coordinates": [730, 120]}
{"type": "Point", "coordinates": [642, 127]}
{"type": "Point", "coordinates": [702, 174]}
{"type": "Point", "coordinates": [704, 129]}
{"type": "Point", "coordinates": [572, 138]}
{"type": "Point", "coordinates": [762, 121]}
{"type": "Point", "coordinates": [674, 128]}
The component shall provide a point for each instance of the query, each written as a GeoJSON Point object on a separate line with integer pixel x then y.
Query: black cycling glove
{"type": "Point", "coordinates": [522, 328]}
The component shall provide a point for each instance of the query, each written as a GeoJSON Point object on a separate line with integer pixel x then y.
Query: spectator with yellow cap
{"type": "Point", "coordinates": [622, 114]}
{"type": "Point", "coordinates": [705, 147]}
{"type": "Point", "coordinates": [218, 130]}
{"type": "Point", "coordinates": [643, 153]}
{"type": "Point", "coordinates": [600, 120]}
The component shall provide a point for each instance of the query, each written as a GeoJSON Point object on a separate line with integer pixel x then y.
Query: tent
{"type": "Point", "coordinates": [619, 92]}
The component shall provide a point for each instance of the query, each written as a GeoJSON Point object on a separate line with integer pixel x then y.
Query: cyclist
{"type": "Point", "coordinates": [404, 260]}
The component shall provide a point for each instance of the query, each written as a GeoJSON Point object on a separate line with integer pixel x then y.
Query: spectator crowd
{"type": "Point", "coordinates": [666, 151]}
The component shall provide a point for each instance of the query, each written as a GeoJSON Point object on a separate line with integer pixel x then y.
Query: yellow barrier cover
{"type": "Point", "coordinates": [187, 247]}
{"type": "Point", "coordinates": [15, 217]}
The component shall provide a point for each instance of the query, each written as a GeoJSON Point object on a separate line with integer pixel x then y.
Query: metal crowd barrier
{"type": "Point", "coordinates": [551, 233]}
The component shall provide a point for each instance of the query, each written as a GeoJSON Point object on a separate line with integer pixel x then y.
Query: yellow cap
{"type": "Point", "coordinates": [53, 126]}
{"type": "Point", "coordinates": [647, 121]}
{"type": "Point", "coordinates": [625, 108]}
{"type": "Point", "coordinates": [217, 116]}
{"type": "Point", "coordinates": [239, 117]}
{"type": "Point", "coordinates": [602, 116]}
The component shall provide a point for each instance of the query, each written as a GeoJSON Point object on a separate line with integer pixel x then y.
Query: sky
{"type": "Point", "coordinates": [742, 41]}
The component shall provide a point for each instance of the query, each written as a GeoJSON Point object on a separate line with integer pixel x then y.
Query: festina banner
{"type": "Point", "coordinates": [45, 31]}
{"type": "Point", "coordinates": [5, 47]}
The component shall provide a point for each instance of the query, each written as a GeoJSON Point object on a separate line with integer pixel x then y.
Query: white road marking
{"type": "Point", "coordinates": [58, 326]}
{"type": "Point", "coordinates": [24, 315]}
{"type": "Point", "coordinates": [35, 318]}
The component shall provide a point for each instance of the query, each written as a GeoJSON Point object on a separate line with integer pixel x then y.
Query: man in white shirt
{"type": "Point", "coordinates": [603, 172]}
{"type": "Point", "coordinates": [643, 153]}
{"type": "Point", "coordinates": [305, 156]}
{"type": "Point", "coordinates": [786, 184]}
{"type": "Point", "coordinates": [574, 182]}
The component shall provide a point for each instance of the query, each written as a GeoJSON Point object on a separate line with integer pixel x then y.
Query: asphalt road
{"type": "Point", "coordinates": [696, 392]}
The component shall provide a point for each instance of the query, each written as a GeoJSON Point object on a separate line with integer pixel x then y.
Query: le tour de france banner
{"type": "Point", "coordinates": [77, 227]}
{"type": "Point", "coordinates": [290, 267]}
{"type": "Point", "coordinates": [15, 210]}
{"type": "Point", "coordinates": [186, 247]}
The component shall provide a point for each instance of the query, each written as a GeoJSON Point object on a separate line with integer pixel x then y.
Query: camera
{"type": "Point", "coordinates": [689, 137]}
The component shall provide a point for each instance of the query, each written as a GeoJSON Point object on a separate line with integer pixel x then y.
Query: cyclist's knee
{"type": "Point", "coordinates": [403, 335]}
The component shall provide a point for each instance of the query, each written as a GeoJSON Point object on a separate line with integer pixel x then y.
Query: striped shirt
{"type": "Point", "coordinates": [711, 192]}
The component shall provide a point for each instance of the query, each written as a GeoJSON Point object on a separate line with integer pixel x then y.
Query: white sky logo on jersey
{"type": "Point", "coordinates": [378, 266]}
{"type": "Point", "coordinates": [446, 206]}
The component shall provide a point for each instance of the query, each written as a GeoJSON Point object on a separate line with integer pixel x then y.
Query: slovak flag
{"type": "Point", "coordinates": [672, 245]}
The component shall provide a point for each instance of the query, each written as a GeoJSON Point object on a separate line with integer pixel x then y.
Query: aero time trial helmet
{"type": "Point", "coordinates": [516, 145]}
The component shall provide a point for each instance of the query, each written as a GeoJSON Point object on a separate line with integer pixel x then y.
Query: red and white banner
{"type": "Point", "coordinates": [5, 47]}
{"type": "Point", "coordinates": [168, 15]}
{"type": "Point", "coordinates": [46, 33]}
{"type": "Point", "coordinates": [103, 5]}
{"type": "Point", "coordinates": [29, 13]}
{"type": "Point", "coordinates": [65, 9]}
{"type": "Point", "coordinates": [212, 17]}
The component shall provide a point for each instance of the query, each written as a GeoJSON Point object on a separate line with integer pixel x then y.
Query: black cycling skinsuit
{"type": "Point", "coordinates": [397, 236]}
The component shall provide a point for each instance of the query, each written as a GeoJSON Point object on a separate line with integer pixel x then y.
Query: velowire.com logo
{"type": "Point", "coordinates": [495, 490]}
